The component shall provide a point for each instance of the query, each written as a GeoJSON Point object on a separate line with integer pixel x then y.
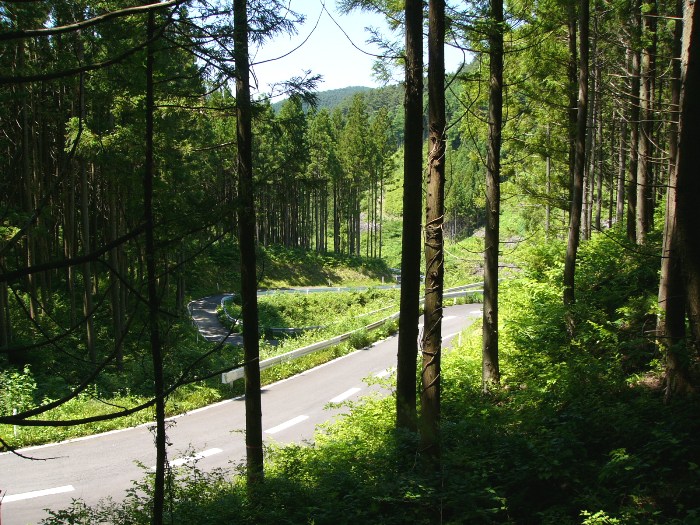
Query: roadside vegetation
{"type": "Point", "coordinates": [577, 432]}
{"type": "Point", "coordinates": [42, 381]}
{"type": "Point", "coordinates": [315, 311]}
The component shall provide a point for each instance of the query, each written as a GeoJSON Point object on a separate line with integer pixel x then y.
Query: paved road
{"type": "Point", "coordinates": [203, 313]}
{"type": "Point", "coordinates": [104, 465]}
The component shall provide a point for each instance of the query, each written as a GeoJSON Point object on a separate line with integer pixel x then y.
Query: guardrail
{"type": "Point", "coordinates": [237, 373]}
{"type": "Point", "coordinates": [230, 377]}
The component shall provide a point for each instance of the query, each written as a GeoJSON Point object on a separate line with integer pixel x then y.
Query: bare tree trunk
{"type": "Point", "coordinates": [153, 298]}
{"type": "Point", "coordinates": [5, 327]}
{"type": "Point", "coordinates": [490, 369]}
{"type": "Point", "coordinates": [644, 166]}
{"type": "Point", "coordinates": [434, 219]}
{"type": "Point", "coordinates": [688, 183]}
{"type": "Point", "coordinates": [87, 269]}
{"type": "Point", "coordinates": [115, 292]}
{"type": "Point", "coordinates": [381, 212]}
{"type": "Point", "coordinates": [598, 153]}
{"type": "Point", "coordinates": [634, 127]}
{"type": "Point", "coordinates": [246, 218]}
{"type": "Point", "coordinates": [406, 416]}
{"type": "Point", "coordinates": [622, 163]}
{"type": "Point", "coordinates": [548, 188]}
{"type": "Point", "coordinates": [576, 202]}
{"type": "Point", "coordinates": [28, 176]}
{"type": "Point", "coordinates": [572, 74]}
{"type": "Point", "coordinates": [69, 241]}
{"type": "Point", "coordinates": [336, 219]}
{"type": "Point", "coordinates": [589, 172]}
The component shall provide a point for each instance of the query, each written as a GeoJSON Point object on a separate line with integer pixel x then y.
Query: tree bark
{"type": "Point", "coordinates": [634, 126]}
{"type": "Point", "coordinates": [434, 219]}
{"type": "Point", "coordinates": [622, 163]}
{"type": "Point", "coordinates": [645, 204]}
{"type": "Point", "coordinates": [153, 298]}
{"type": "Point", "coordinates": [688, 183]}
{"type": "Point", "coordinates": [572, 74]}
{"type": "Point", "coordinates": [598, 153]}
{"type": "Point", "coordinates": [490, 369]}
{"type": "Point", "coordinates": [406, 416]}
{"type": "Point", "coordinates": [246, 219]}
{"type": "Point", "coordinates": [577, 193]}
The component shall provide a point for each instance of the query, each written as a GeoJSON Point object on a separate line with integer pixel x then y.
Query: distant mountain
{"type": "Point", "coordinates": [389, 97]}
{"type": "Point", "coordinates": [332, 98]}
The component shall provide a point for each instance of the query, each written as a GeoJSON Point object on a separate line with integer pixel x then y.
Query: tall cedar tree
{"type": "Point", "coordinates": [412, 202]}
{"type": "Point", "coordinates": [490, 370]}
{"type": "Point", "coordinates": [688, 188]}
{"type": "Point", "coordinates": [246, 223]}
{"type": "Point", "coordinates": [579, 165]}
{"type": "Point", "coordinates": [434, 218]}
{"type": "Point", "coordinates": [634, 104]}
{"type": "Point", "coordinates": [671, 322]}
{"type": "Point", "coordinates": [153, 297]}
{"type": "Point", "coordinates": [645, 201]}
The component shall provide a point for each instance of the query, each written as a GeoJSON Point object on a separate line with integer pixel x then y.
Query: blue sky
{"type": "Point", "coordinates": [327, 52]}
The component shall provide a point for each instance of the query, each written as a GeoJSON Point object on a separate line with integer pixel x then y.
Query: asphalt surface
{"type": "Point", "coordinates": [102, 466]}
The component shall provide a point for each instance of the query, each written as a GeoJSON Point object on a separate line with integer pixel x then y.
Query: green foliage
{"type": "Point", "coordinates": [284, 267]}
{"type": "Point", "coordinates": [570, 436]}
{"type": "Point", "coordinates": [17, 390]}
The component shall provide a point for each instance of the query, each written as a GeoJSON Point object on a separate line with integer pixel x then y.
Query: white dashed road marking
{"type": "Point", "coordinates": [38, 493]}
{"type": "Point", "coordinates": [286, 424]}
{"type": "Point", "coordinates": [342, 397]}
{"type": "Point", "coordinates": [186, 459]}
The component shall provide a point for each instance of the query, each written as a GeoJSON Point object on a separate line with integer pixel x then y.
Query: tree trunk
{"type": "Point", "coordinates": [577, 193]}
{"type": "Point", "coordinates": [246, 219]}
{"type": "Point", "coordinates": [646, 112]}
{"type": "Point", "coordinates": [589, 172]}
{"type": "Point", "coordinates": [634, 128]}
{"type": "Point", "coordinates": [381, 211]}
{"type": "Point", "coordinates": [153, 298]}
{"type": "Point", "coordinates": [406, 416]}
{"type": "Point", "coordinates": [87, 269]}
{"type": "Point", "coordinates": [116, 284]}
{"type": "Point", "coordinates": [5, 328]}
{"type": "Point", "coordinates": [548, 188]}
{"type": "Point", "coordinates": [336, 219]}
{"type": "Point", "coordinates": [622, 163]}
{"type": "Point", "coordinates": [688, 183]}
{"type": "Point", "coordinates": [572, 74]}
{"type": "Point", "coordinates": [598, 153]}
{"type": "Point", "coordinates": [490, 370]}
{"type": "Point", "coordinates": [434, 219]}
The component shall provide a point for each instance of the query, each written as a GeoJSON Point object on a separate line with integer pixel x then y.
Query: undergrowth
{"type": "Point", "coordinates": [572, 435]}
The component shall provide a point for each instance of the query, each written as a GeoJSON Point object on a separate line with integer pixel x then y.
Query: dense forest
{"type": "Point", "coordinates": [139, 173]}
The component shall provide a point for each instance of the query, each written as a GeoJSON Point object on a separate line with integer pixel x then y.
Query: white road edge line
{"type": "Point", "coordinates": [38, 493]}
{"type": "Point", "coordinates": [342, 397]}
{"type": "Point", "coordinates": [286, 424]}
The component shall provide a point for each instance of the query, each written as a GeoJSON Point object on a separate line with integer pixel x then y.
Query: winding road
{"type": "Point", "coordinates": [104, 465]}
